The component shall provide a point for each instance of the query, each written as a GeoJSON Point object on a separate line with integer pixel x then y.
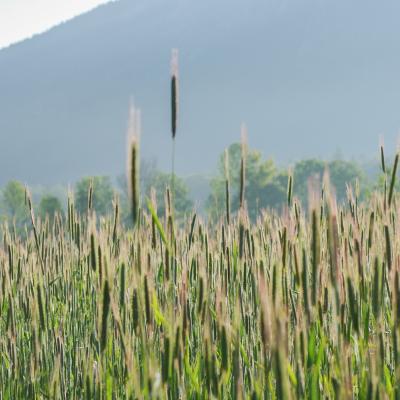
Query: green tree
{"type": "Point", "coordinates": [50, 206]}
{"type": "Point", "coordinates": [13, 203]}
{"type": "Point", "coordinates": [152, 177]}
{"type": "Point", "coordinates": [13, 199]}
{"type": "Point", "coordinates": [265, 186]}
{"type": "Point", "coordinates": [159, 182]}
{"type": "Point", "coordinates": [341, 173]}
{"type": "Point", "coordinates": [378, 185]}
{"type": "Point", "coordinates": [304, 171]}
{"type": "Point", "coordinates": [274, 193]}
{"type": "Point", "coordinates": [102, 197]}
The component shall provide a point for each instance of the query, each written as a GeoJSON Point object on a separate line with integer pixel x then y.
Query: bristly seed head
{"type": "Point", "coordinates": [174, 91]}
{"type": "Point", "coordinates": [243, 135]}
{"type": "Point", "coordinates": [133, 160]}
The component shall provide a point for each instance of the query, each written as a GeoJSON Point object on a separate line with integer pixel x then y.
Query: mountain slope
{"type": "Point", "coordinates": [307, 77]}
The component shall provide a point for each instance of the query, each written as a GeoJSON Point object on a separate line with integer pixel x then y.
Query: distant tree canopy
{"type": "Point", "coordinates": [180, 196]}
{"type": "Point", "coordinates": [13, 198]}
{"type": "Point", "coordinates": [265, 188]}
{"type": "Point", "coordinates": [266, 185]}
{"type": "Point", "coordinates": [49, 206]}
{"type": "Point", "coordinates": [153, 178]}
{"type": "Point", "coordinates": [103, 194]}
{"type": "Point", "coordinates": [385, 179]}
{"type": "Point", "coordinates": [13, 205]}
{"type": "Point", "coordinates": [341, 174]}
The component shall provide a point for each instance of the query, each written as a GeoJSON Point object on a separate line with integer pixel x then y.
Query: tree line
{"type": "Point", "coordinates": [265, 187]}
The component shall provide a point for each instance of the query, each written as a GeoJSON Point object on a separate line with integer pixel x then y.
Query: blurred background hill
{"type": "Point", "coordinates": [307, 80]}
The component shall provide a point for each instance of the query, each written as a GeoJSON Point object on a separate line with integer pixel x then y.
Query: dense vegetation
{"type": "Point", "coordinates": [295, 305]}
{"type": "Point", "coordinates": [266, 186]}
{"type": "Point", "coordinates": [289, 288]}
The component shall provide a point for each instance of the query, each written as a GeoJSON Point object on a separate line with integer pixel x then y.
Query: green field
{"type": "Point", "coordinates": [304, 304]}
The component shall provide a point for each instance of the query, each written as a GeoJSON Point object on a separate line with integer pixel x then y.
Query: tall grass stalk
{"type": "Point", "coordinates": [243, 165]}
{"type": "Point", "coordinates": [104, 318]}
{"type": "Point", "coordinates": [393, 179]}
{"type": "Point", "coordinates": [227, 187]}
{"type": "Point", "coordinates": [133, 175]}
{"type": "Point", "coordinates": [174, 110]}
{"type": "Point", "coordinates": [293, 305]}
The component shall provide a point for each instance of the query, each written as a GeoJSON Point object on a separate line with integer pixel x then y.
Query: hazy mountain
{"type": "Point", "coordinates": [307, 76]}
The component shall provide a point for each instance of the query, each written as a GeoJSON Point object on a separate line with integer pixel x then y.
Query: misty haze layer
{"type": "Point", "coordinates": [307, 77]}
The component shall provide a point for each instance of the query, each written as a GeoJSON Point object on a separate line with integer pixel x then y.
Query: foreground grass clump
{"type": "Point", "coordinates": [301, 305]}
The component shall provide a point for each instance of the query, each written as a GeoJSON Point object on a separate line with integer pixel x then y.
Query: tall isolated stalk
{"type": "Point", "coordinates": [227, 187]}
{"type": "Point", "coordinates": [383, 165]}
{"type": "Point", "coordinates": [393, 179]}
{"type": "Point", "coordinates": [133, 161]}
{"type": "Point", "coordinates": [174, 110]}
{"type": "Point", "coordinates": [243, 135]}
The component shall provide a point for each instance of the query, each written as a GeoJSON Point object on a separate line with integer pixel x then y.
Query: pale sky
{"type": "Point", "coordinates": [20, 19]}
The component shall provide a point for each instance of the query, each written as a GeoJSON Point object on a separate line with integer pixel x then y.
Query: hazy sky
{"type": "Point", "coordinates": [20, 19]}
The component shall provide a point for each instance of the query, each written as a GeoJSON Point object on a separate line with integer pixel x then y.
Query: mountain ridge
{"type": "Point", "coordinates": [50, 28]}
{"type": "Point", "coordinates": [303, 76]}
